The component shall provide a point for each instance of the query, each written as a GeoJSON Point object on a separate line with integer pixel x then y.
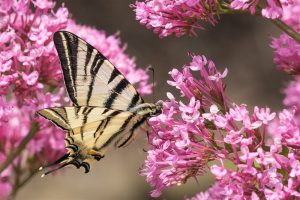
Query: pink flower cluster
{"type": "Point", "coordinates": [273, 9]}
{"type": "Point", "coordinates": [173, 17]}
{"type": "Point", "coordinates": [180, 17]}
{"type": "Point", "coordinates": [287, 50]}
{"type": "Point", "coordinates": [292, 95]}
{"type": "Point", "coordinates": [28, 69]}
{"type": "Point", "coordinates": [180, 145]}
{"type": "Point", "coordinates": [26, 47]}
{"type": "Point", "coordinates": [186, 137]}
{"type": "Point", "coordinates": [30, 76]}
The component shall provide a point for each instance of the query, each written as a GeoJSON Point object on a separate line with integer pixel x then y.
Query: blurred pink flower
{"type": "Point", "coordinates": [170, 17]}
{"type": "Point", "coordinates": [181, 17]}
{"type": "Point", "coordinates": [5, 189]}
{"type": "Point", "coordinates": [292, 95]}
{"type": "Point", "coordinates": [272, 9]}
{"type": "Point", "coordinates": [286, 49]}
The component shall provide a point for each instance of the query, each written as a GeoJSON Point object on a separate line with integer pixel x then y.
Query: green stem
{"type": "Point", "coordinates": [22, 183]}
{"type": "Point", "coordinates": [16, 152]}
{"type": "Point", "coordinates": [287, 29]}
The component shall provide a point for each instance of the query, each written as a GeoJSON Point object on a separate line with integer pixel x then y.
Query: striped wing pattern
{"type": "Point", "coordinates": [96, 127]}
{"type": "Point", "coordinates": [90, 79]}
{"type": "Point", "coordinates": [107, 108]}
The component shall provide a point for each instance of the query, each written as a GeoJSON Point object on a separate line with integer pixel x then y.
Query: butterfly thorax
{"type": "Point", "coordinates": [147, 109]}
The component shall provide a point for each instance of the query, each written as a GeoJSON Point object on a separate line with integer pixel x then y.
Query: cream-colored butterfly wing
{"type": "Point", "coordinates": [90, 79]}
{"type": "Point", "coordinates": [96, 127]}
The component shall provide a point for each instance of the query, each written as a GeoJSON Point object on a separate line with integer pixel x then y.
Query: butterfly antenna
{"type": "Point", "coordinates": [61, 159]}
{"type": "Point", "coordinates": [53, 170]}
{"type": "Point", "coordinates": [152, 70]}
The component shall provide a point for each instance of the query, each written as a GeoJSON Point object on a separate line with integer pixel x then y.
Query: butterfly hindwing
{"type": "Point", "coordinates": [136, 127]}
{"type": "Point", "coordinates": [96, 127]}
{"type": "Point", "coordinates": [72, 117]}
{"type": "Point", "coordinates": [90, 79]}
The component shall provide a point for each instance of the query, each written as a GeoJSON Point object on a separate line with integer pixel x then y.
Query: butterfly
{"type": "Point", "coordinates": [107, 110]}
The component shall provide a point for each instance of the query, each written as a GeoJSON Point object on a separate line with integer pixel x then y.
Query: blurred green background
{"type": "Point", "coordinates": [239, 42]}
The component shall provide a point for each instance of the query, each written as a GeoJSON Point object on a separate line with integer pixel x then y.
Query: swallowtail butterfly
{"type": "Point", "coordinates": [107, 110]}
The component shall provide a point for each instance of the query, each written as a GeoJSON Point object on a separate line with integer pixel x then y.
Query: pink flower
{"type": "Point", "coordinates": [173, 153]}
{"type": "Point", "coordinates": [291, 99]}
{"type": "Point", "coordinates": [5, 189]}
{"type": "Point", "coordinates": [213, 113]}
{"type": "Point", "coordinates": [176, 151]}
{"type": "Point", "coordinates": [233, 137]}
{"type": "Point", "coordinates": [185, 138]}
{"type": "Point", "coordinates": [264, 114]}
{"type": "Point", "coordinates": [30, 79]}
{"type": "Point", "coordinates": [219, 172]}
{"type": "Point", "coordinates": [243, 4]}
{"type": "Point", "coordinates": [175, 17]}
{"type": "Point", "coordinates": [272, 9]}
{"type": "Point", "coordinates": [286, 54]}
{"type": "Point", "coordinates": [216, 77]}
{"type": "Point", "coordinates": [286, 49]}
{"type": "Point", "coordinates": [43, 4]}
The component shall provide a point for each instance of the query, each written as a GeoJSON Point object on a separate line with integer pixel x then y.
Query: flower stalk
{"type": "Point", "coordinates": [287, 29]}
{"type": "Point", "coordinates": [14, 153]}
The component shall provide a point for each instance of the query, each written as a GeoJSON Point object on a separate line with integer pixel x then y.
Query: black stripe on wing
{"type": "Point", "coordinates": [59, 120]}
{"type": "Point", "coordinates": [134, 128]}
{"type": "Point", "coordinates": [72, 45]}
{"type": "Point", "coordinates": [109, 118]}
{"type": "Point", "coordinates": [123, 127]}
{"type": "Point", "coordinates": [63, 47]}
{"type": "Point", "coordinates": [117, 91]}
{"type": "Point", "coordinates": [87, 59]}
{"type": "Point", "coordinates": [134, 101]}
{"type": "Point", "coordinates": [94, 70]}
{"type": "Point", "coordinates": [71, 50]}
{"type": "Point", "coordinates": [86, 112]}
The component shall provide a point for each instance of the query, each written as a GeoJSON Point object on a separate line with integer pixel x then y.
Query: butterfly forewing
{"type": "Point", "coordinates": [90, 79]}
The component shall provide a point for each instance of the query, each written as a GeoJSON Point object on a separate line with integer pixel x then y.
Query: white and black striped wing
{"type": "Point", "coordinates": [69, 118]}
{"type": "Point", "coordinates": [97, 127]}
{"type": "Point", "coordinates": [90, 79]}
{"type": "Point", "coordinates": [120, 130]}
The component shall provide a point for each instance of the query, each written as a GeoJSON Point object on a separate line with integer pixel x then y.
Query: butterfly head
{"type": "Point", "coordinates": [157, 109]}
{"type": "Point", "coordinates": [78, 155]}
